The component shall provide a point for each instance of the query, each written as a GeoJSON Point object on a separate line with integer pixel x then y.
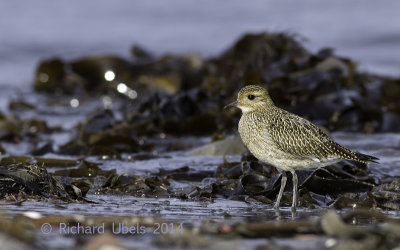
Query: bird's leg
{"type": "Point", "coordinates": [295, 184]}
{"type": "Point", "coordinates": [283, 184]}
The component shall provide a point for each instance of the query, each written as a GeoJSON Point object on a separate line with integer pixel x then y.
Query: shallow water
{"type": "Point", "coordinates": [384, 146]}
{"type": "Point", "coordinates": [192, 214]}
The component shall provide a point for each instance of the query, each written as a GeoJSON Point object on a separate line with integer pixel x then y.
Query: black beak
{"type": "Point", "coordinates": [233, 104]}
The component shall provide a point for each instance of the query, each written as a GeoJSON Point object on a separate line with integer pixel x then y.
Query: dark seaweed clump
{"type": "Point", "coordinates": [184, 94]}
{"type": "Point", "coordinates": [342, 185]}
{"type": "Point", "coordinates": [129, 105]}
{"type": "Point", "coordinates": [27, 179]}
{"type": "Point", "coordinates": [126, 103]}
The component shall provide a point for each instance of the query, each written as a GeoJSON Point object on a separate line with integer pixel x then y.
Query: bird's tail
{"type": "Point", "coordinates": [366, 158]}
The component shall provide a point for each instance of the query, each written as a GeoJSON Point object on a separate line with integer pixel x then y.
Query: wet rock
{"type": "Point", "coordinates": [85, 169]}
{"type": "Point", "coordinates": [390, 95]}
{"type": "Point", "coordinates": [17, 233]}
{"type": "Point", "coordinates": [29, 179]}
{"type": "Point", "coordinates": [73, 191]}
{"type": "Point", "coordinates": [15, 130]}
{"type": "Point", "coordinates": [20, 105]}
{"type": "Point", "coordinates": [170, 83]}
{"type": "Point", "coordinates": [84, 74]}
{"type": "Point", "coordinates": [368, 243]}
{"type": "Point", "coordinates": [141, 54]}
{"type": "Point", "coordinates": [145, 156]}
{"type": "Point", "coordinates": [73, 147]}
{"type": "Point", "coordinates": [187, 239]}
{"type": "Point", "coordinates": [43, 148]}
{"type": "Point", "coordinates": [104, 151]}
{"type": "Point", "coordinates": [105, 241]}
{"type": "Point", "coordinates": [270, 246]}
{"type": "Point", "coordinates": [45, 162]}
{"type": "Point", "coordinates": [353, 200]}
{"type": "Point", "coordinates": [228, 146]}
{"type": "Point", "coordinates": [332, 224]}
{"type": "Point", "coordinates": [260, 50]}
{"type": "Point", "coordinates": [8, 242]}
{"type": "Point", "coordinates": [333, 63]}
{"type": "Point", "coordinates": [258, 184]}
{"type": "Point", "coordinates": [185, 113]}
{"type": "Point", "coordinates": [83, 185]}
{"type": "Point", "coordinates": [50, 76]}
{"type": "Point", "coordinates": [9, 129]}
{"type": "Point", "coordinates": [97, 122]}
{"type": "Point", "coordinates": [387, 195]}
{"type": "Point", "coordinates": [120, 143]}
{"type": "Point", "coordinates": [268, 229]}
{"type": "Point", "coordinates": [390, 122]}
{"type": "Point", "coordinates": [321, 184]}
{"type": "Point", "coordinates": [137, 186]}
{"type": "Point", "coordinates": [93, 70]}
{"type": "Point", "coordinates": [185, 173]}
{"type": "Point", "coordinates": [104, 135]}
{"type": "Point", "coordinates": [350, 236]}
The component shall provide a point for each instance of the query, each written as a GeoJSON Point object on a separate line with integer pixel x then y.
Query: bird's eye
{"type": "Point", "coordinates": [251, 97]}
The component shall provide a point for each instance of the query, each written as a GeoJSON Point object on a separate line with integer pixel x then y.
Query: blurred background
{"type": "Point", "coordinates": [366, 31]}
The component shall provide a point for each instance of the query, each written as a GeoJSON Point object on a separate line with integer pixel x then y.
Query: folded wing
{"type": "Point", "coordinates": [299, 137]}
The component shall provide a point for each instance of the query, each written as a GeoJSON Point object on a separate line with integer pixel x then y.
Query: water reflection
{"type": "Point", "coordinates": [132, 94]}
{"type": "Point", "coordinates": [74, 103]}
{"type": "Point", "coordinates": [107, 102]}
{"type": "Point", "coordinates": [43, 77]}
{"type": "Point", "coordinates": [124, 89]}
{"type": "Point", "coordinates": [109, 75]}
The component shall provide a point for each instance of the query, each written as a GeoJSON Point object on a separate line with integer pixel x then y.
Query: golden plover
{"type": "Point", "coordinates": [285, 140]}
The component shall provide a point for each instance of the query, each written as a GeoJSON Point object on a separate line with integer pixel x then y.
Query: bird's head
{"type": "Point", "coordinates": [252, 97]}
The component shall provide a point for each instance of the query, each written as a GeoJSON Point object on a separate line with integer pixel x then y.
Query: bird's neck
{"type": "Point", "coordinates": [257, 109]}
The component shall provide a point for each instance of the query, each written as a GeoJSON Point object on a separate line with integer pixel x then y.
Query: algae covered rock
{"type": "Point", "coordinates": [29, 179]}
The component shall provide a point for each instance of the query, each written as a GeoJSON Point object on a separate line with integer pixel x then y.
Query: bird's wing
{"type": "Point", "coordinates": [299, 137]}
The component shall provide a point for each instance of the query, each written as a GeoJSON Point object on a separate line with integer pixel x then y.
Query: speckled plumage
{"type": "Point", "coordinates": [285, 140]}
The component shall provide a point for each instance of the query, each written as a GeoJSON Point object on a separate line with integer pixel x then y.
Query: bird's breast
{"type": "Point", "coordinates": [255, 136]}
